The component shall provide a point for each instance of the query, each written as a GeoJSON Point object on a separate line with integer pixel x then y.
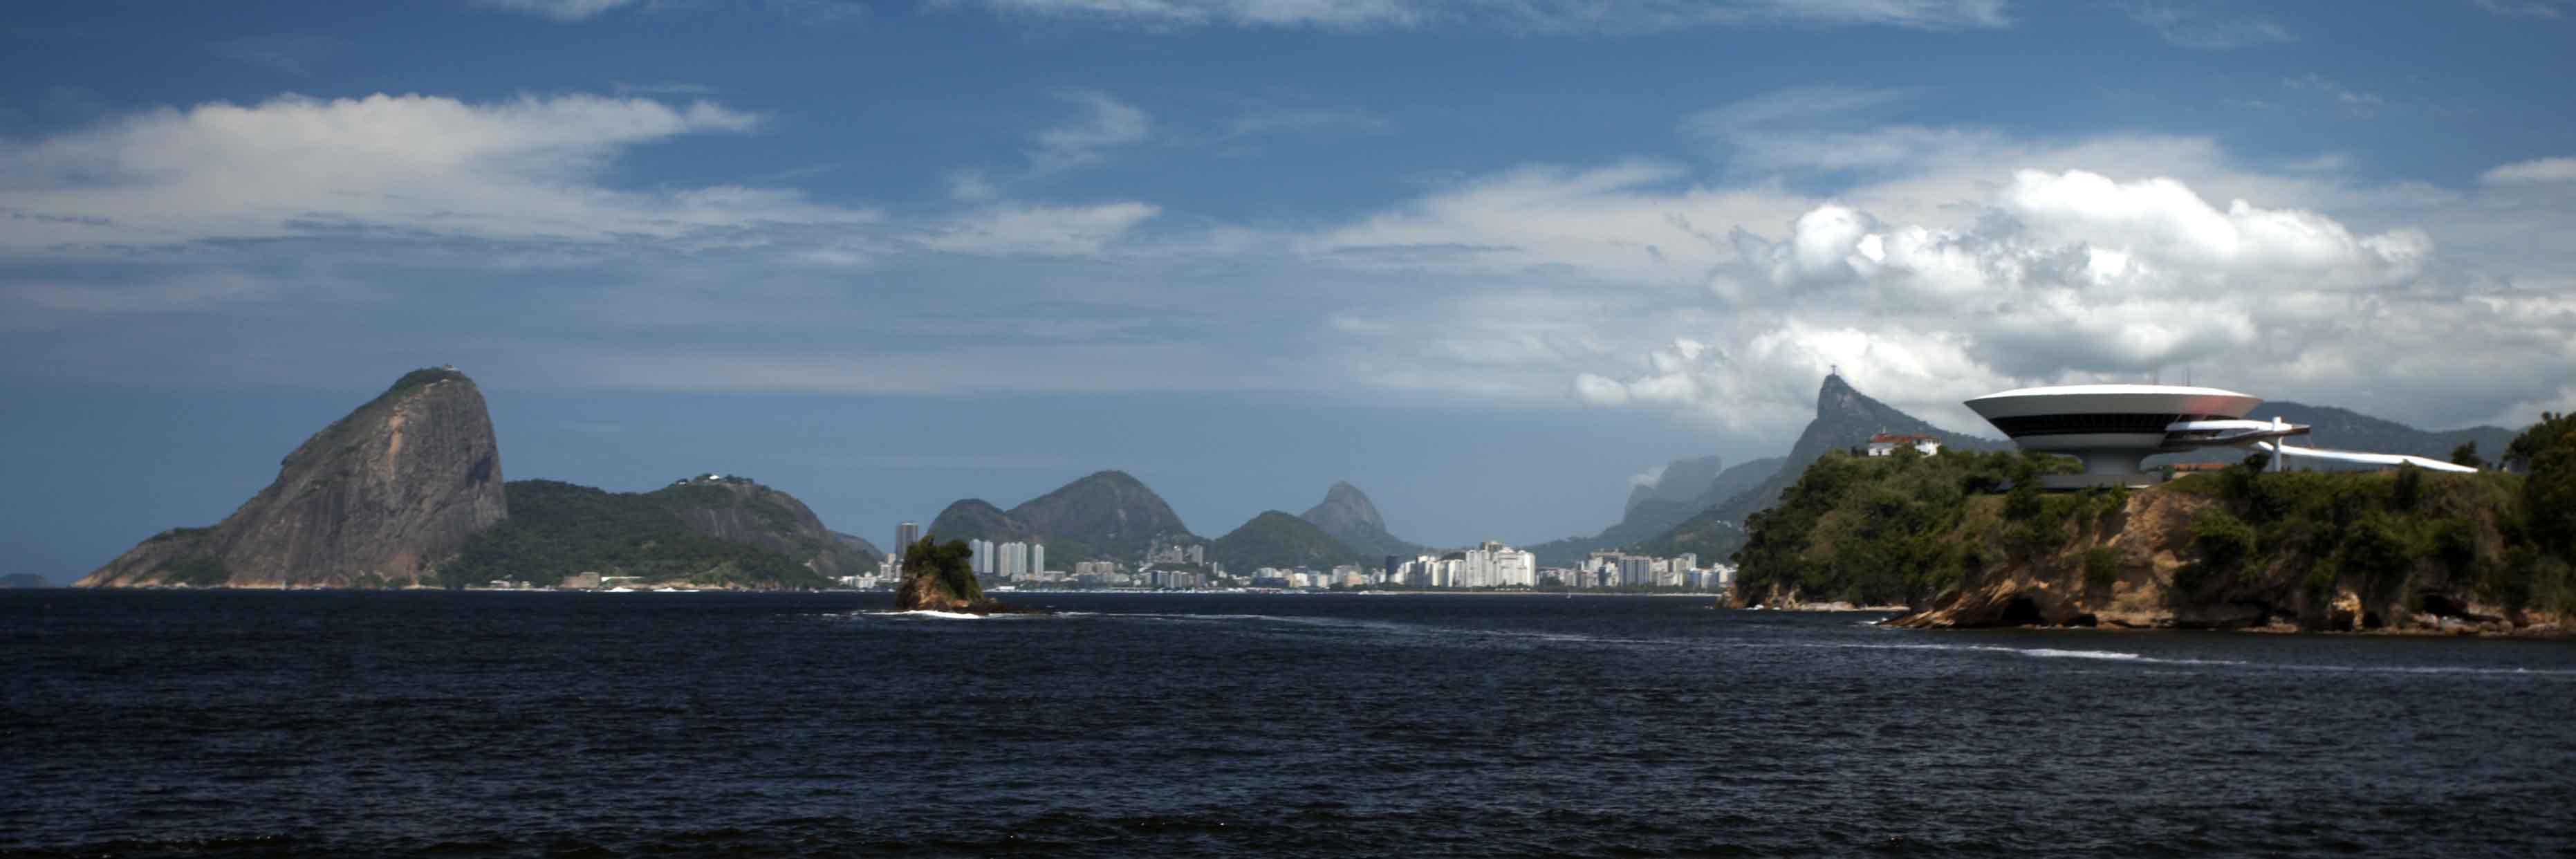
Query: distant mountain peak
{"type": "Point", "coordinates": [1112, 476]}
{"type": "Point", "coordinates": [1845, 418]}
{"type": "Point", "coordinates": [383, 495]}
{"type": "Point", "coordinates": [1347, 515]}
{"type": "Point", "coordinates": [1346, 501]}
{"type": "Point", "coordinates": [1837, 397]}
{"type": "Point", "coordinates": [1276, 539]}
{"type": "Point", "coordinates": [1103, 515]}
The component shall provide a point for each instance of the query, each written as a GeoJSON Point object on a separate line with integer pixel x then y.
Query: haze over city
{"type": "Point", "coordinates": [1485, 260]}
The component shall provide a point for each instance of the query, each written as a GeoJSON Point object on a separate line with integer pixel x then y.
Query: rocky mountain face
{"type": "Point", "coordinates": [1685, 487]}
{"type": "Point", "coordinates": [379, 497]}
{"type": "Point", "coordinates": [1845, 418]}
{"type": "Point", "coordinates": [739, 510]}
{"type": "Point", "coordinates": [1107, 515]}
{"type": "Point", "coordinates": [1276, 539]}
{"type": "Point", "coordinates": [1347, 516]}
{"type": "Point", "coordinates": [1677, 482]}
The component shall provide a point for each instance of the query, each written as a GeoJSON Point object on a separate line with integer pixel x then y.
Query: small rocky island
{"type": "Point", "coordinates": [938, 577]}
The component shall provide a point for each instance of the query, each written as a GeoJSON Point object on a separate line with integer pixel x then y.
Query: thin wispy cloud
{"type": "Point", "coordinates": [1794, 105]}
{"type": "Point", "coordinates": [802, 11]}
{"type": "Point", "coordinates": [560, 10]}
{"type": "Point", "coordinates": [2355, 102]}
{"type": "Point", "coordinates": [1307, 121]}
{"type": "Point", "coordinates": [1538, 16]}
{"type": "Point", "coordinates": [1104, 124]}
{"type": "Point", "coordinates": [2208, 26]}
{"type": "Point", "coordinates": [2526, 8]}
{"type": "Point", "coordinates": [667, 88]}
{"type": "Point", "coordinates": [286, 54]}
{"type": "Point", "coordinates": [2536, 171]}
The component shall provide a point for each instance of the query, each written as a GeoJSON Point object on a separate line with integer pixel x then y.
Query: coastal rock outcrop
{"type": "Point", "coordinates": [378, 498]}
{"type": "Point", "coordinates": [940, 577]}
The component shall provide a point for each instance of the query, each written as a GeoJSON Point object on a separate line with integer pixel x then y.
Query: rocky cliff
{"type": "Point", "coordinates": [379, 497]}
{"type": "Point", "coordinates": [1676, 482]}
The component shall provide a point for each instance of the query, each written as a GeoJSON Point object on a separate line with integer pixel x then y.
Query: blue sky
{"type": "Point", "coordinates": [1483, 258]}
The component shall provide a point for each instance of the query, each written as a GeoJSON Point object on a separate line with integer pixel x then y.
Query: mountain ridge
{"type": "Point", "coordinates": [1276, 539]}
{"type": "Point", "coordinates": [1347, 515]}
{"type": "Point", "coordinates": [1845, 418]}
{"type": "Point", "coordinates": [1105, 515]}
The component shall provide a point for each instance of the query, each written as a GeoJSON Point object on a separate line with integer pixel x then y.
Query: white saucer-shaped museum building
{"type": "Point", "coordinates": [2112, 428]}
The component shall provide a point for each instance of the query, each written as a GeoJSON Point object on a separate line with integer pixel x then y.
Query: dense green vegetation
{"type": "Point", "coordinates": [1909, 528]}
{"type": "Point", "coordinates": [2548, 452]}
{"type": "Point", "coordinates": [1107, 515]}
{"type": "Point", "coordinates": [1276, 539]}
{"type": "Point", "coordinates": [559, 529]}
{"type": "Point", "coordinates": [2375, 533]}
{"type": "Point", "coordinates": [950, 564]}
{"type": "Point", "coordinates": [683, 496]}
{"type": "Point", "coordinates": [1845, 419]}
{"type": "Point", "coordinates": [1877, 530]}
{"type": "Point", "coordinates": [182, 534]}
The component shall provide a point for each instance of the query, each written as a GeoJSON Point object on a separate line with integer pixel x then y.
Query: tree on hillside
{"type": "Point", "coordinates": [2548, 450]}
{"type": "Point", "coordinates": [2467, 454]}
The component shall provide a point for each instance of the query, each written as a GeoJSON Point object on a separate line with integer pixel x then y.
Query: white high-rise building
{"type": "Point", "coordinates": [1037, 558]}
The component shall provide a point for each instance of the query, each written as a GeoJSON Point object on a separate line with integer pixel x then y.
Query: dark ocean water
{"type": "Point", "coordinates": [596, 724]}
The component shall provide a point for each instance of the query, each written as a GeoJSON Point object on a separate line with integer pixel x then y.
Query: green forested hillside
{"type": "Point", "coordinates": [2242, 547]}
{"type": "Point", "coordinates": [1276, 539]}
{"type": "Point", "coordinates": [1884, 529]}
{"type": "Point", "coordinates": [1107, 515]}
{"type": "Point", "coordinates": [558, 529]}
